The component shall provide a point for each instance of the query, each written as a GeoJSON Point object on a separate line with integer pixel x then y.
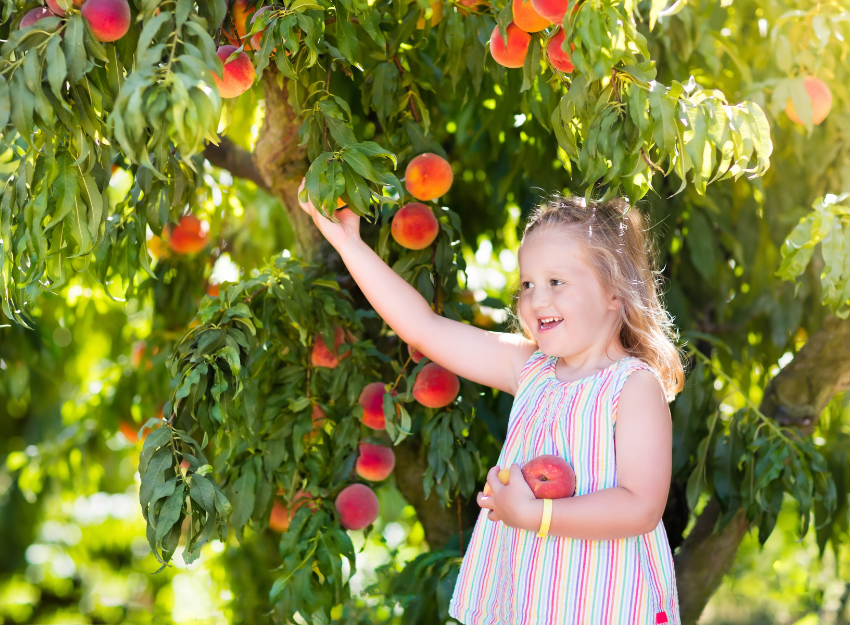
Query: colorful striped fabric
{"type": "Point", "coordinates": [510, 576]}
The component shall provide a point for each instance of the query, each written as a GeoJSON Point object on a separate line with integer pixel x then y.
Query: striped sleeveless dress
{"type": "Point", "coordinates": [510, 576]}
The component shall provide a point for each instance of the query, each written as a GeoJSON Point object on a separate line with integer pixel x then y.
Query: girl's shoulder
{"type": "Point", "coordinates": [623, 371]}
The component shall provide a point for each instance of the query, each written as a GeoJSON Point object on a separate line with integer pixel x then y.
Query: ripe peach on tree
{"type": "Point", "coordinates": [435, 386]}
{"type": "Point", "coordinates": [322, 356]}
{"type": "Point", "coordinates": [375, 462]}
{"type": "Point", "coordinates": [189, 236]}
{"type": "Point", "coordinates": [428, 176]}
{"type": "Point", "coordinates": [372, 401]}
{"type": "Point", "coordinates": [33, 16]}
{"type": "Point", "coordinates": [552, 10]}
{"type": "Point", "coordinates": [239, 14]}
{"type": "Point", "coordinates": [512, 53]}
{"type": "Point", "coordinates": [109, 20]}
{"type": "Point", "coordinates": [53, 5]}
{"type": "Point", "coordinates": [559, 59]}
{"type": "Point", "coordinates": [414, 226]}
{"type": "Point", "coordinates": [526, 18]}
{"type": "Point", "coordinates": [821, 98]}
{"type": "Point", "coordinates": [238, 74]}
{"type": "Point", "coordinates": [357, 506]}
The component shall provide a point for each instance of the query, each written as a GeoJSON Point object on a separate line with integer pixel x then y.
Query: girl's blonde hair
{"type": "Point", "coordinates": [620, 253]}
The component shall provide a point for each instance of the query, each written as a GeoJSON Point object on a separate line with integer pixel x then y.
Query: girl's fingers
{"type": "Point", "coordinates": [493, 480]}
{"type": "Point", "coordinates": [484, 501]}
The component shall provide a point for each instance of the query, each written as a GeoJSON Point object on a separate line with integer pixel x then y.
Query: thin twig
{"type": "Point", "coordinates": [401, 373]}
{"type": "Point", "coordinates": [614, 84]}
{"type": "Point", "coordinates": [649, 162]}
{"type": "Point", "coordinates": [260, 290]}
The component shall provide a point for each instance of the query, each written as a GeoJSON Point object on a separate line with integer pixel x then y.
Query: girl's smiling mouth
{"type": "Point", "coordinates": [545, 324]}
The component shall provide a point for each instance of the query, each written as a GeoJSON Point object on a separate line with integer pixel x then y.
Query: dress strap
{"type": "Point", "coordinates": [533, 368]}
{"type": "Point", "coordinates": [625, 367]}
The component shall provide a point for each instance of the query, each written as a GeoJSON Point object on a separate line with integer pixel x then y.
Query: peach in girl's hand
{"type": "Point", "coordinates": [504, 478]}
{"type": "Point", "coordinates": [548, 476]}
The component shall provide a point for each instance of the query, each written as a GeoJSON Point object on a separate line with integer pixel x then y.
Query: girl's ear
{"type": "Point", "coordinates": [614, 302]}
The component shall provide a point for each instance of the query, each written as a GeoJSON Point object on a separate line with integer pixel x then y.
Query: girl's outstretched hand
{"type": "Point", "coordinates": [514, 504]}
{"type": "Point", "coordinates": [337, 234]}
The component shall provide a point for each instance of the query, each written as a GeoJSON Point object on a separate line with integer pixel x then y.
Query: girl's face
{"type": "Point", "coordinates": [557, 285]}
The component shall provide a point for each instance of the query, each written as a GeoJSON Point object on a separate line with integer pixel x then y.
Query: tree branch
{"type": "Point", "coordinates": [794, 398]}
{"type": "Point", "coordinates": [235, 159]}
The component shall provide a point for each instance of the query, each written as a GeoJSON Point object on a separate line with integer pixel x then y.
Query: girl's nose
{"type": "Point", "coordinates": [540, 300]}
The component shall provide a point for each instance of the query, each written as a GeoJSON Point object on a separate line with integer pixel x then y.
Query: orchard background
{"type": "Point", "coordinates": [165, 403]}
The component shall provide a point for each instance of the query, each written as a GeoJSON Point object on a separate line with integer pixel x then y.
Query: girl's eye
{"type": "Point", "coordinates": [553, 281]}
{"type": "Point", "coordinates": [525, 287]}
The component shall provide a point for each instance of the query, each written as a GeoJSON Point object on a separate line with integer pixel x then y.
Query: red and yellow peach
{"type": "Point", "coordinates": [190, 236]}
{"type": "Point", "coordinates": [372, 401]}
{"type": "Point", "coordinates": [512, 53]}
{"type": "Point", "coordinates": [375, 462]}
{"type": "Point", "coordinates": [414, 226]}
{"type": "Point", "coordinates": [428, 176]}
{"type": "Point", "coordinates": [54, 6]}
{"type": "Point", "coordinates": [109, 20]}
{"type": "Point", "coordinates": [238, 74]}
{"type": "Point", "coordinates": [357, 506]}
{"type": "Point", "coordinates": [435, 386]}
{"type": "Point", "coordinates": [33, 16]}
{"type": "Point", "coordinates": [321, 356]}
{"type": "Point", "coordinates": [526, 18]}
{"type": "Point", "coordinates": [821, 97]}
{"type": "Point", "coordinates": [552, 10]}
{"type": "Point", "coordinates": [559, 59]}
{"type": "Point", "coordinates": [415, 354]}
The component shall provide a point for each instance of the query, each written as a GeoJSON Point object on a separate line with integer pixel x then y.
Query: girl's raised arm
{"type": "Point", "coordinates": [491, 358]}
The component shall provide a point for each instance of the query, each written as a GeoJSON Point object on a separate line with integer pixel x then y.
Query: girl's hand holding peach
{"type": "Point", "coordinates": [514, 504]}
{"type": "Point", "coordinates": [337, 234]}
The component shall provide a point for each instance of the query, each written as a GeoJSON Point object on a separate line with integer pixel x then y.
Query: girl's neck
{"type": "Point", "coordinates": [580, 366]}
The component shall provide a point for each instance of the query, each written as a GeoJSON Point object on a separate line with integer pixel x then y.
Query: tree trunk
{"type": "Point", "coordinates": [794, 398]}
{"type": "Point", "coordinates": [282, 164]}
{"type": "Point", "coordinates": [439, 522]}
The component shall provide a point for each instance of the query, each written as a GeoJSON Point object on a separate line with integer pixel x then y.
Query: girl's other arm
{"type": "Point", "coordinates": [491, 358]}
{"type": "Point", "coordinates": [644, 451]}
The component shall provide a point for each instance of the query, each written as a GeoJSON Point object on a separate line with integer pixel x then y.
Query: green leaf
{"type": "Point", "coordinates": [202, 492]}
{"type": "Point", "coordinates": [384, 86]}
{"type": "Point", "coordinates": [66, 188]}
{"type": "Point", "coordinates": [57, 69]}
{"type": "Point", "coordinates": [347, 40]}
{"type": "Point", "coordinates": [74, 47]}
{"type": "Point", "coordinates": [170, 513]}
{"type": "Point", "coordinates": [5, 103]}
{"type": "Point", "coordinates": [244, 491]}
{"type": "Point", "coordinates": [339, 129]}
{"type": "Point", "coordinates": [371, 23]}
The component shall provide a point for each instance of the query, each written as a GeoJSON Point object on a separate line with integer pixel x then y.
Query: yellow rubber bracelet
{"type": "Point", "coordinates": [547, 518]}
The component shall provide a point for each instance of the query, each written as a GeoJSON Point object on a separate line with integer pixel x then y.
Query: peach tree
{"type": "Point", "coordinates": [271, 405]}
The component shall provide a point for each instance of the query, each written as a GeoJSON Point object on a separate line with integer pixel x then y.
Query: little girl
{"type": "Point", "coordinates": [589, 315]}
